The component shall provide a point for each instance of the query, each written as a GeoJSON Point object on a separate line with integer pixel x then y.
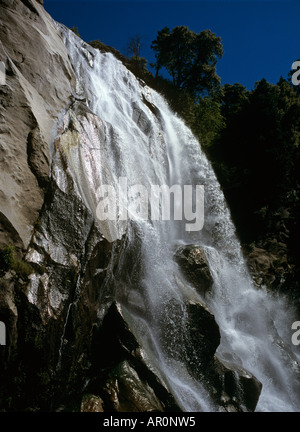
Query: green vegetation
{"type": "Point", "coordinates": [256, 154]}
{"type": "Point", "coordinates": [189, 58]}
{"type": "Point", "coordinates": [75, 30]}
{"type": "Point", "coordinates": [6, 259]}
{"type": "Point", "coordinates": [8, 262]}
{"type": "Point", "coordinates": [138, 64]}
{"type": "Point", "coordinates": [256, 158]}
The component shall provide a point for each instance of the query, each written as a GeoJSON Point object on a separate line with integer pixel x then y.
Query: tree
{"type": "Point", "coordinates": [190, 58]}
{"type": "Point", "coordinates": [208, 120]}
{"type": "Point", "coordinates": [234, 98]}
{"type": "Point", "coordinates": [75, 30]}
{"type": "Point", "coordinates": [138, 64]}
{"type": "Point", "coordinates": [134, 46]}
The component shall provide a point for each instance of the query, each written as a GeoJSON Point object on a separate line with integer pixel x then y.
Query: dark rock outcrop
{"type": "Point", "coordinates": [125, 392]}
{"type": "Point", "coordinates": [9, 316]}
{"type": "Point", "coordinates": [194, 339]}
{"type": "Point", "coordinates": [204, 335]}
{"type": "Point", "coordinates": [273, 256]}
{"type": "Point", "coordinates": [193, 334]}
{"type": "Point", "coordinates": [194, 266]}
{"type": "Point", "coordinates": [120, 371]}
{"type": "Point", "coordinates": [91, 403]}
{"type": "Point", "coordinates": [235, 388]}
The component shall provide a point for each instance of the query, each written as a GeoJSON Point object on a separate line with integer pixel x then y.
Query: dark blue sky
{"type": "Point", "coordinates": [261, 39]}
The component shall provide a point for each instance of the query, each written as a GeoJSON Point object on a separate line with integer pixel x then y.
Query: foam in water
{"type": "Point", "coordinates": [124, 137]}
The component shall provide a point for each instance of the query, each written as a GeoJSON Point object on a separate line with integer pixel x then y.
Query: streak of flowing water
{"type": "Point", "coordinates": [131, 132]}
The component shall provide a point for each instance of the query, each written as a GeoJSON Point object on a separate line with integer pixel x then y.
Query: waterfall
{"type": "Point", "coordinates": [130, 133]}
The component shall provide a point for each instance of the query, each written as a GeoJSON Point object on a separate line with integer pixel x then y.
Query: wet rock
{"type": "Point", "coordinates": [235, 388]}
{"type": "Point", "coordinates": [126, 392]}
{"type": "Point", "coordinates": [194, 266]}
{"type": "Point", "coordinates": [193, 338]}
{"type": "Point", "coordinates": [269, 264]}
{"type": "Point", "coordinates": [9, 316]}
{"type": "Point", "coordinates": [150, 105]}
{"type": "Point", "coordinates": [91, 403]}
{"type": "Point", "coordinates": [204, 336]}
{"type": "Point", "coordinates": [129, 380]}
{"type": "Point", "coordinates": [191, 334]}
{"type": "Point", "coordinates": [58, 308]}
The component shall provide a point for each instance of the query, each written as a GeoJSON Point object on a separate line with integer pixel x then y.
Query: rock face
{"type": "Point", "coordinates": [236, 389]}
{"type": "Point", "coordinates": [39, 82]}
{"type": "Point", "coordinates": [204, 335]}
{"type": "Point", "coordinates": [9, 316]}
{"type": "Point", "coordinates": [195, 267]}
{"type": "Point", "coordinates": [199, 331]}
{"type": "Point", "coordinates": [70, 346]}
{"type": "Point", "coordinates": [91, 403]}
{"type": "Point", "coordinates": [270, 256]}
{"type": "Point", "coordinates": [269, 264]}
{"type": "Point", "coordinates": [128, 383]}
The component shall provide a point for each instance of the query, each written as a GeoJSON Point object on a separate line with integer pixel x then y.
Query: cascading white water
{"type": "Point", "coordinates": [124, 137]}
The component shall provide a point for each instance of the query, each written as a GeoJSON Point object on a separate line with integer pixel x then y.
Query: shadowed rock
{"type": "Point", "coordinates": [91, 403]}
{"type": "Point", "coordinates": [120, 370]}
{"type": "Point", "coordinates": [235, 388]}
{"type": "Point", "coordinates": [193, 337]}
{"type": "Point", "coordinates": [194, 266]}
{"type": "Point", "coordinates": [127, 392]}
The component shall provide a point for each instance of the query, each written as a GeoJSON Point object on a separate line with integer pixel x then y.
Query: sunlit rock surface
{"type": "Point", "coordinates": [39, 82]}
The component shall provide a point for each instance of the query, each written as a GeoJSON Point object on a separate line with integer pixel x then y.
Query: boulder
{"type": "Point", "coordinates": [194, 266]}
{"type": "Point", "coordinates": [190, 334]}
{"type": "Point", "coordinates": [234, 388]}
{"type": "Point", "coordinates": [126, 392]}
{"type": "Point", "coordinates": [203, 334]}
{"type": "Point", "coordinates": [91, 403]}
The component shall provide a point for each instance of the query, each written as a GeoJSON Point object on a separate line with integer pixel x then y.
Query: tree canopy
{"type": "Point", "coordinates": [190, 58]}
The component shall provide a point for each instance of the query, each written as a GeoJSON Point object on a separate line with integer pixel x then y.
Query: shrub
{"type": "Point", "coordinates": [22, 268]}
{"type": "Point", "coordinates": [6, 259]}
{"type": "Point", "coordinates": [8, 262]}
